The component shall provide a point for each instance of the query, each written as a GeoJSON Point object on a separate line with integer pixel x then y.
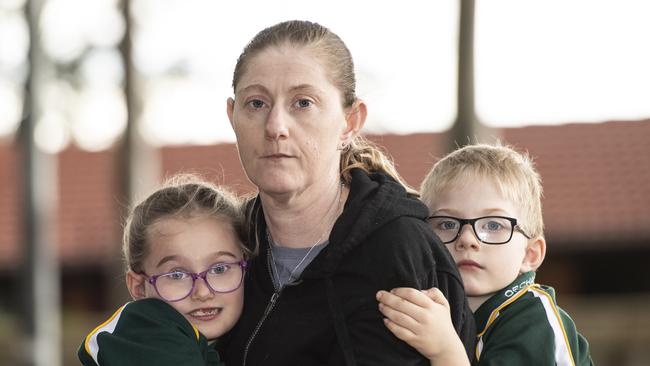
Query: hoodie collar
{"type": "Point", "coordinates": [374, 200]}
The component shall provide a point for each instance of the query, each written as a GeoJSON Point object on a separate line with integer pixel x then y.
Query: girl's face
{"type": "Point", "coordinates": [195, 245]}
{"type": "Point", "coordinates": [289, 121]}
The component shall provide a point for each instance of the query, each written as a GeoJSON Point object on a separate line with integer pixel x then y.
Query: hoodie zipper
{"type": "Point", "coordinates": [269, 307]}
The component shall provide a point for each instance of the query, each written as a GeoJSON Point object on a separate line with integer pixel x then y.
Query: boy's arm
{"type": "Point", "coordinates": [422, 319]}
{"type": "Point", "coordinates": [145, 332]}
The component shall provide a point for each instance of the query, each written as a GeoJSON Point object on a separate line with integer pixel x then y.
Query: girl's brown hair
{"type": "Point", "coordinates": [182, 196]}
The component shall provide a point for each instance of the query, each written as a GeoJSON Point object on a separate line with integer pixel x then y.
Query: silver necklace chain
{"type": "Point", "coordinates": [275, 266]}
{"type": "Point", "coordinates": [320, 240]}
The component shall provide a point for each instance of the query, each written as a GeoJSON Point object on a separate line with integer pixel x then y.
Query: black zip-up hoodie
{"type": "Point", "coordinates": [330, 315]}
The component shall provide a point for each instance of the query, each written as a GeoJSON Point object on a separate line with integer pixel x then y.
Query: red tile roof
{"type": "Point", "coordinates": [89, 227]}
{"type": "Point", "coordinates": [596, 179]}
{"type": "Point", "coordinates": [219, 163]}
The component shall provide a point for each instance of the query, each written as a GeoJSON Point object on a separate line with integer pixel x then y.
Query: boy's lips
{"type": "Point", "coordinates": [468, 264]}
{"type": "Point", "coordinates": [205, 314]}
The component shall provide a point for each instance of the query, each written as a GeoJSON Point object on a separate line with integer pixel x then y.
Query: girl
{"type": "Point", "coordinates": [185, 267]}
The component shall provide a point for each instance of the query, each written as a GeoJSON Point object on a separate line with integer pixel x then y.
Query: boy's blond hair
{"type": "Point", "coordinates": [512, 172]}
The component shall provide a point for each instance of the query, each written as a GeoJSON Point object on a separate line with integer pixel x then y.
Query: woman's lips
{"type": "Point", "coordinates": [276, 157]}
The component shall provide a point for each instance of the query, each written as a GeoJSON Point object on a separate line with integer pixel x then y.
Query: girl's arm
{"type": "Point", "coordinates": [422, 319]}
{"type": "Point", "coordinates": [146, 332]}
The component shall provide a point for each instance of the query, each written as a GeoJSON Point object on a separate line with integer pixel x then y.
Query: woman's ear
{"type": "Point", "coordinates": [355, 119]}
{"type": "Point", "coordinates": [230, 107]}
{"type": "Point", "coordinates": [136, 284]}
{"type": "Point", "coordinates": [535, 253]}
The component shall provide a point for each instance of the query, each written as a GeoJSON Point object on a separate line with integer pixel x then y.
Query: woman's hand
{"type": "Point", "coordinates": [422, 319]}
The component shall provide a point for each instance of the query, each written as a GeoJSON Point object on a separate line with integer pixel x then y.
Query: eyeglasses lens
{"type": "Point", "coordinates": [223, 277]}
{"type": "Point", "coordinates": [489, 230]}
{"type": "Point", "coordinates": [493, 230]}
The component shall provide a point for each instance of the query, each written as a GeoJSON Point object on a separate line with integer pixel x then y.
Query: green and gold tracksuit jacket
{"type": "Point", "coordinates": [147, 332]}
{"type": "Point", "coordinates": [522, 325]}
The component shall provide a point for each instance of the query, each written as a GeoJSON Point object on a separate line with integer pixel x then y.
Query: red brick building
{"type": "Point", "coordinates": [596, 205]}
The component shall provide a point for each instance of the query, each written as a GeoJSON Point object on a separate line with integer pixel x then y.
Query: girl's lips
{"type": "Point", "coordinates": [205, 314]}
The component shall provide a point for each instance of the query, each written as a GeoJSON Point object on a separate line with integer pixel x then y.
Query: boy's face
{"type": "Point", "coordinates": [194, 245]}
{"type": "Point", "coordinates": [485, 268]}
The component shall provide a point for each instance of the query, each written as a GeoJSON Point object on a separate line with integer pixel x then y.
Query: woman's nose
{"type": "Point", "coordinates": [276, 123]}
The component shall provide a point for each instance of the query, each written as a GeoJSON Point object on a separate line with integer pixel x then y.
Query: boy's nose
{"type": "Point", "coordinates": [467, 239]}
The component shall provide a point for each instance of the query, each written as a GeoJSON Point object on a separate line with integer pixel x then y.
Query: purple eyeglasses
{"type": "Point", "coordinates": [221, 278]}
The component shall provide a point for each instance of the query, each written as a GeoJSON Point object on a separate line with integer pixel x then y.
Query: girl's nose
{"type": "Point", "coordinates": [201, 290]}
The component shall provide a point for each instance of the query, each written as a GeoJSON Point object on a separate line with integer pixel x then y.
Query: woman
{"type": "Point", "coordinates": [333, 223]}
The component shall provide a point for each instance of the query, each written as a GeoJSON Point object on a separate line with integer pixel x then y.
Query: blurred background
{"type": "Point", "coordinates": [101, 99]}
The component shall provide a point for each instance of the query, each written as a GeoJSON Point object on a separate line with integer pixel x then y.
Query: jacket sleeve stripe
{"type": "Point", "coordinates": [91, 345]}
{"type": "Point", "coordinates": [495, 312]}
{"type": "Point", "coordinates": [196, 332]}
{"type": "Point", "coordinates": [563, 354]}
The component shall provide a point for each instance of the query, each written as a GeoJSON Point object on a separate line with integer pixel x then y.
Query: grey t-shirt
{"type": "Point", "coordinates": [288, 263]}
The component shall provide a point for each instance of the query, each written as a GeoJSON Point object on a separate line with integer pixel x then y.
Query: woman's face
{"type": "Point", "coordinates": [289, 121]}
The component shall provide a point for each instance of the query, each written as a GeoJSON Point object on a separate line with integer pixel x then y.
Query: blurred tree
{"type": "Point", "coordinates": [138, 163]}
{"type": "Point", "coordinates": [40, 305]}
{"type": "Point", "coordinates": [467, 128]}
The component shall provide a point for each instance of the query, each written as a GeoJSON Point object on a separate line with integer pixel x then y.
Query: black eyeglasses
{"type": "Point", "coordinates": [488, 229]}
{"type": "Point", "coordinates": [220, 278]}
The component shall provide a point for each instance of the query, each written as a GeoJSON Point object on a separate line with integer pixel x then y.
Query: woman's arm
{"type": "Point", "coordinates": [396, 255]}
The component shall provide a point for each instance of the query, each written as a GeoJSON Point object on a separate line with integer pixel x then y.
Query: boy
{"type": "Point", "coordinates": [485, 204]}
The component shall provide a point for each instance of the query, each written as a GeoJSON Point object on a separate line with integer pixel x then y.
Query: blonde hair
{"type": "Point", "coordinates": [182, 196]}
{"type": "Point", "coordinates": [512, 172]}
{"type": "Point", "coordinates": [337, 59]}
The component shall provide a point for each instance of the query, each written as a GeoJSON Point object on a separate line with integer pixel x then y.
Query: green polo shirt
{"type": "Point", "coordinates": [522, 325]}
{"type": "Point", "coordinates": [147, 332]}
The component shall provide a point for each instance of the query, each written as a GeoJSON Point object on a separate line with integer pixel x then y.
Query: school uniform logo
{"type": "Point", "coordinates": [509, 292]}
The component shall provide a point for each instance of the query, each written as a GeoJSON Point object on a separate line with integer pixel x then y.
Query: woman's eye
{"type": "Point", "coordinates": [303, 103]}
{"type": "Point", "coordinates": [256, 103]}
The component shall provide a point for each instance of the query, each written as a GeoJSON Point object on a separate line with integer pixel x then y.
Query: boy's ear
{"type": "Point", "coordinates": [135, 283]}
{"type": "Point", "coordinates": [535, 253]}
